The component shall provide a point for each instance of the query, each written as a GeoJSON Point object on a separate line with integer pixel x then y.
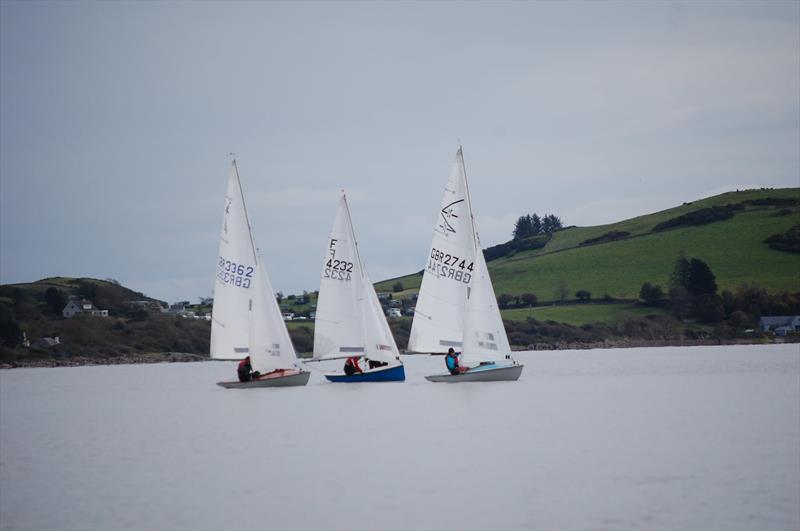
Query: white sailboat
{"type": "Point", "coordinates": [349, 322]}
{"type": "Point", "coordinates": [456, 307]}
{"type": "Point", "coordinates": [246, 320]}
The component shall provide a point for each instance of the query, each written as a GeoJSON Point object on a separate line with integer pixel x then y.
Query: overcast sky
{"type": "Point", "coordinates": [117, 120]}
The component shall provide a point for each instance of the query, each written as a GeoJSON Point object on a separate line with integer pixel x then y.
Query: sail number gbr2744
{"type": "Point", "coordinates": [449, 266]}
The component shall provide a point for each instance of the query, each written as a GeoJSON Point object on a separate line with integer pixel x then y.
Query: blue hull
{"type": "Point", "coordinates": [390, 374]}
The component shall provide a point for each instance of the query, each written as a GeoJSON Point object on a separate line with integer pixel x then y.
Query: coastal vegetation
{"type": "Point", "coordinates": [705, 270]}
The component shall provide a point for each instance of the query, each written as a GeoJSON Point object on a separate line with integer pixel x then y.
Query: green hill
{"type": "Point", "coordinates": [733, 247]}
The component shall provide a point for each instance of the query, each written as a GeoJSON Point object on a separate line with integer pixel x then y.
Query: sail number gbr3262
{"type": "Point", "coordinates": [238, 275]}
{"type": "Point", "coordinates": [450, 266]}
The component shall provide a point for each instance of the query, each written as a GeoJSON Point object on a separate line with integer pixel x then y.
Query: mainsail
{"type": "Point", "coordinates": [245, 318]}
{"type": "Point", "coordinates": [233, 286]}
{"type": "Point", "coordinates": [439, 313]}
{"type": "Point", "coordinates": [349, 319]}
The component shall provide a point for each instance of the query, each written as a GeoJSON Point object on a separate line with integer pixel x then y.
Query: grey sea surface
{"type": "Point", "coordinates": [644, 439]}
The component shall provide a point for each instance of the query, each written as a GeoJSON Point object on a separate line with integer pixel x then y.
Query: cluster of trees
{"type": "Point", "coordinates": [700, 217]}
{"type": "Point", "coordinates": [531, 225]}
{"type": "Point", "coordinates": [526, 300]}
{"type": "Point", "coordinates": [693, 294]}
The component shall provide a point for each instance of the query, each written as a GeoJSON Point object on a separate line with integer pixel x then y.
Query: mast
{"type": "Point", "coordinates": [361, 296]}
{"type": "Point", "coordinates": [246, 217]}
{"type": "Point", "coordinates": [475, 243]}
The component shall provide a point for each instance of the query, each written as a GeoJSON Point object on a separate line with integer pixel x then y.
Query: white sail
{"type": "Point", "coordinates": [439, 313]}
{"type": "Point", "coordinates": [380, 344]}
{"type": "Point", "coordinates": [485, 336]}
{"type": "Point", "coordinates": [245, 319]}
{"type": "Point", "coordinates": [349, 319]}
{"type": "Point", "coordinates": [233, 286]}
{"type": "Point", "coordinates": [269, 342]}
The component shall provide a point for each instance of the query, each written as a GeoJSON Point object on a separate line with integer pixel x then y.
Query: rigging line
{"type": "Point", "coordinates": [246, 217]}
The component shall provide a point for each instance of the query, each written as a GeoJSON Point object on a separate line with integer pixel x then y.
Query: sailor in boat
{"type": "Point", "coordinates": [375, 364]}
{"type": "Point", "coordinates": [245, 370]}
{"type": "Point", "coordinates": [351, 366]}
{"type": "Point", "coordinates": [451, 360]}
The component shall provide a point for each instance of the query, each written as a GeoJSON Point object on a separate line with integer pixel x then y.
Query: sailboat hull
{"type": "Point", "coordinates": [291, 380]}
{"type": "Point", "coordinates": [483, 373]}
{"type": "Point", "coordinates": [395, 373]}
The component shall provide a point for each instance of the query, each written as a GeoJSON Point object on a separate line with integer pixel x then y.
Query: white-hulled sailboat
{"type": "Point", "coordinates": [246, 320]}
{"type": "Point", "coordinates": [456, 307]}
{"type": "Point", "coordinates": [349, 322]}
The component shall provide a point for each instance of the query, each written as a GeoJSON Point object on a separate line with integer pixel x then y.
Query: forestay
{"type": "Point", "coordinates": [439, 314]}
{"type": "Point", "coordinates": [233, 286]}
{"type": "Point", "coordinates": [349, 319]}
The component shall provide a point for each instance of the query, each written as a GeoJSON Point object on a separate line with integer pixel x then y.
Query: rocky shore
{"type": "Point", "coordinates": [638, 343]}
{"type": "Point", "coordinates": [123, 359]}
{"type": "Point", "coordinates": [183, 357]}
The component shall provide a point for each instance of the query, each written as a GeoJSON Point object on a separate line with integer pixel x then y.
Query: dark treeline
{"type": "Point", "coordinates": [532, 225]}
{"type": "Point", "coordinates": [693, 294]}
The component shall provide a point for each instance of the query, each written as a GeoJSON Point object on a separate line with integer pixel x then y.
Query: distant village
{"type": "Point", "coordinates": [300, 308]}
{"type": "Point", "coordinates": [293, 307]}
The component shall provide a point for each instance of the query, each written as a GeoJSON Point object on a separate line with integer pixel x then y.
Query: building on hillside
{"type": "Point", "coordinates": [394, 312]}
{"type": "Point", "coordinates": [47, 342]}
{"type": "Point", "coordinates": [382, 295]}
{"type": "Point", "coordinates": [76, 306]}
{"type": "Point", "coordinates": [288, 316]}
{"type": "Point", "coordinates": [780, 324]}
{"type": "Point", "coordinates": [178, 308]}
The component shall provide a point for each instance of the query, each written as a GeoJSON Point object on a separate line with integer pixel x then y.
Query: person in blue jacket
{"type": "Point", "coordinates": [451, 360]}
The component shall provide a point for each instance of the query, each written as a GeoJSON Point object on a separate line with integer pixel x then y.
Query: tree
{"type": "Point", "coordinates": [701, 279]}
{"type": "Point", "coordinates": [55, 299]}
{"type": "Point", "coordinates": [529, 299]}
{"type": "Point", "coordinates": [397, 287]}
{"type": "Point", "coordinates": [583, 295]}
{"type": "Point", "coordinates": [523, 227]}
{"type": "Point", "coordinates": [504, 299]}
{"type": "Point", "coordinates": [279, 296]}
{"type": "Point", "coordinates": [536, 224]}
{"type": "Point", "coordinates": [10, 333]}
{"type": "Point", "coordinates": [679, 301]}
{"type": "Point", "coordinates": [551, 223]}
{"type": "Point", "coordinates": [87, 290]}
{"type": "Point", "coordinates": [708, 308]}
{"type": "Point", "coordinates": [650, 294]}
{"type": "Point", "coordinates": [680, 273]}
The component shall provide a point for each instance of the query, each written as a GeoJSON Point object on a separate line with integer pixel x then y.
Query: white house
{"type": "Point", "coordinates": [75, 306]}
{"type": "Point", "coordinates": [288, 316]}
{"type": "Point", "coordinates": [394, 312]}
{"type": "Point", "coordinates": [780, 324]}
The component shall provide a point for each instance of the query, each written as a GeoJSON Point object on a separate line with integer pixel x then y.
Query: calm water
{"type": "Point", "coordinates": [667, 438]}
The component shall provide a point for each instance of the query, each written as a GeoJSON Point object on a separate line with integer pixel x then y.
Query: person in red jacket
{"type": "Point", "coordinates": [351, 366]}
{"type": "Point", "coordinates": [245, 370]}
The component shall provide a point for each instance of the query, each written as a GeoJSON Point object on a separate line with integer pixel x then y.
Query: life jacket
{"type": "Point", "coordinates": [243, 371]}
{"type": "Point", "coordinates": [451, 360]}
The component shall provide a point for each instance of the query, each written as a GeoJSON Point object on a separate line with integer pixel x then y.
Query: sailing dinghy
{"type": "Point", "coordinates": [456, 307]}
{"type": "Point", "coordinates": [349, 322]}
{"type": "Point", "coordinates": [246, 320]}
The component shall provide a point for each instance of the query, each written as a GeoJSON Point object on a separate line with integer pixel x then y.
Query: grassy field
{"type": "Point", "coordinates": [733, 248]}
{"type": "Point", "coordinates": [579, 314]}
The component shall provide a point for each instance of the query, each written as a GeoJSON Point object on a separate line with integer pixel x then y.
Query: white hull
{"type": "Point", "coordinates": [508, 373]}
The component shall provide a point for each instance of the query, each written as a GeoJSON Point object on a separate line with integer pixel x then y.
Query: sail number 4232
{"type": "Point", "coordinates": [338, 269]}
{"type": "Point", "coordinates": [449, 266]}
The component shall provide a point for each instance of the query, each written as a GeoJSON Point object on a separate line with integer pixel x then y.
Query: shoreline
{"type": "Point", "coordinates": [183, 357]}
